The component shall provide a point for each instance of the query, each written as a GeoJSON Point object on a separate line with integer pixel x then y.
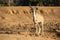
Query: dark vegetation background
{"type": "Point", "coordinates": [29, 2]}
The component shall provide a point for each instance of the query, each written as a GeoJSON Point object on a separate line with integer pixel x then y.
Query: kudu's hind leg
{"type": "Point", "coordinates": [39, 28]}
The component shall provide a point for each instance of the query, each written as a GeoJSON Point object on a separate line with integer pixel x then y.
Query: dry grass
{"type": "Point", "coordinates": [14, 18]}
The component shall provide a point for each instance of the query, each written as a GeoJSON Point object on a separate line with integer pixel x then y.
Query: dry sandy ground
{"type": "Point", "coordinates": [25, 37]}
{"type": "Point", "coordinates": [12, 16]}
